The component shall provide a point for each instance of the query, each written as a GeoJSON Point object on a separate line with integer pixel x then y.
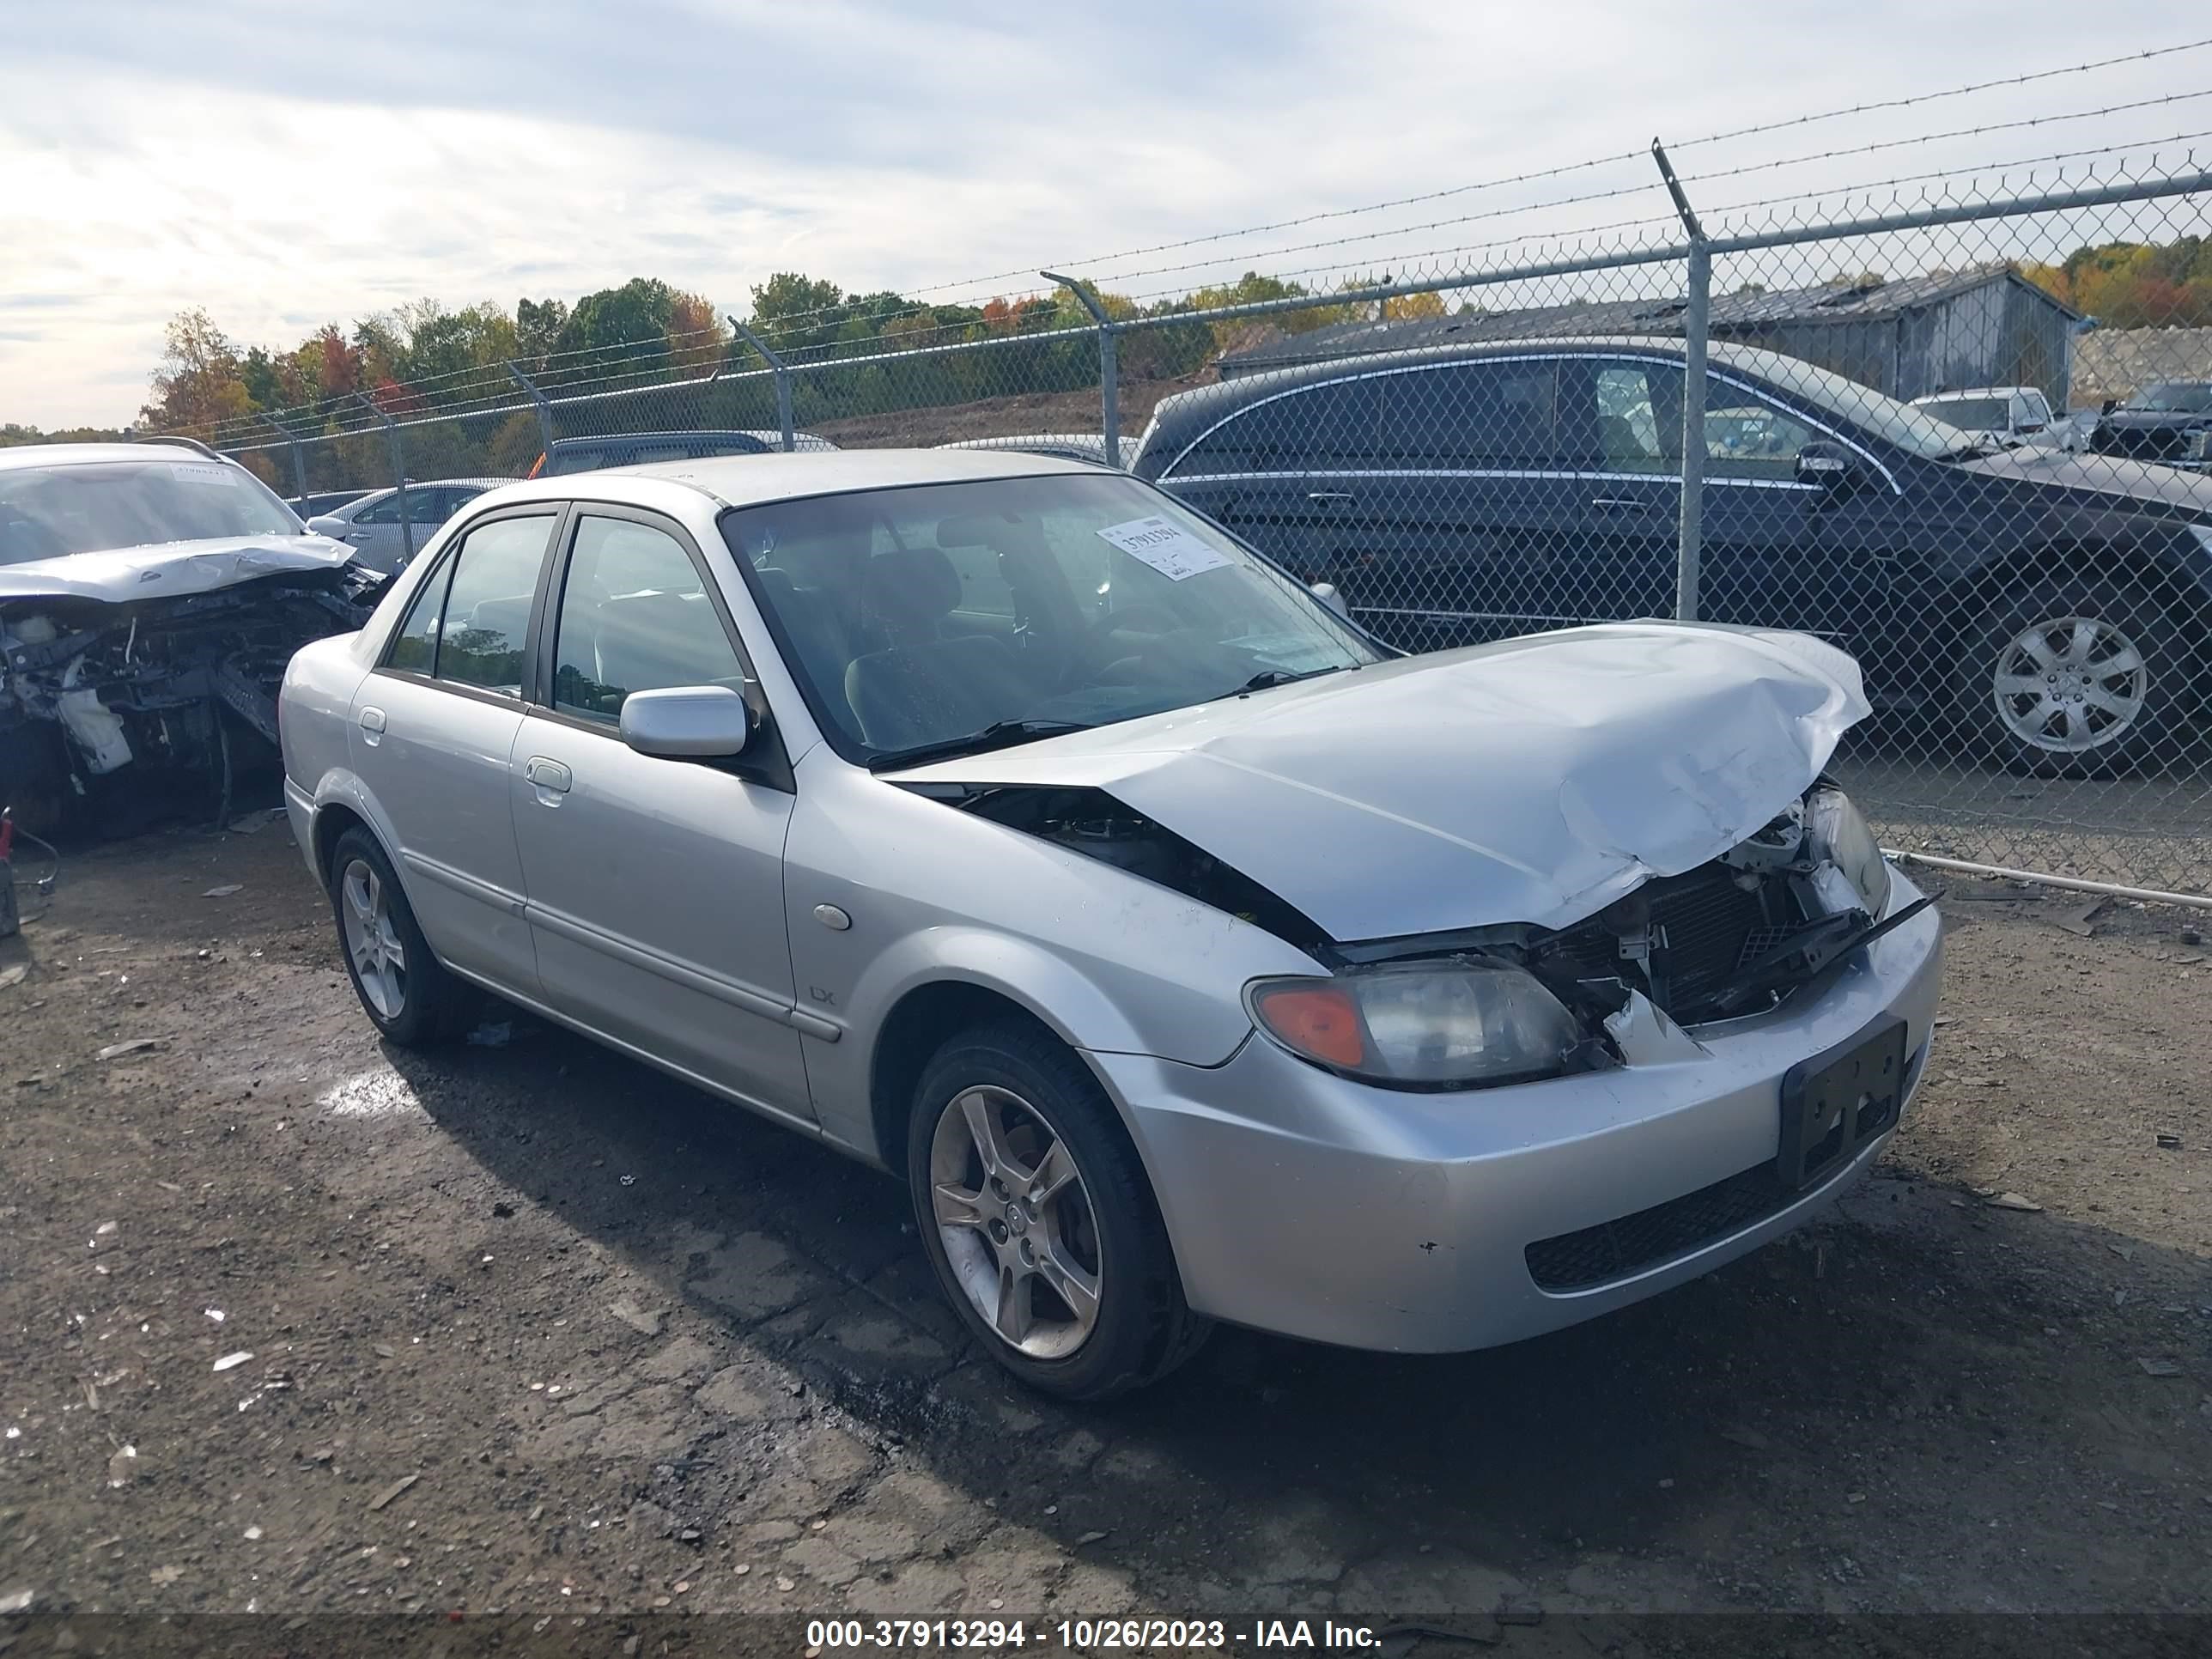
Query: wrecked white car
{"type": "Point", "coordinates": [1000, 821]}
{"type": "Point", "coordinates": [150, 595]}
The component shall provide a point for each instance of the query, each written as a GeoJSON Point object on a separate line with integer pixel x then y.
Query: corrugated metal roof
{"type": "Point", "coordinates": [1830, 303]}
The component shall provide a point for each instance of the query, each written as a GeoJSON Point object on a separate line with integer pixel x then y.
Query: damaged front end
{"type": "Point", "coordinates": [1732, 938]}
{"type": "Point", "coordinates": [155, 704]}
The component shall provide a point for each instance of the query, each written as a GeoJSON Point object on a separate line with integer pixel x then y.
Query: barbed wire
{"type": "Point", "coordinates": [1654, 185]}
{"type": "Point", "coordinates": [1842, 194]}
{"type": "Point", "coordinates": [788, 321]}
{"type": "Point", "coordinates": [1594, 162]}
{"type": "Point", "coordinates": [472, 390]}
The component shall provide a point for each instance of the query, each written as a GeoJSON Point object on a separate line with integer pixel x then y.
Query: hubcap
{"type": "Point", "coordinates": [1016, 1221]}
{"type": "Point", "coordinates": [2070, 684]}
{"type": "Point", "coordinates": [372, 943]}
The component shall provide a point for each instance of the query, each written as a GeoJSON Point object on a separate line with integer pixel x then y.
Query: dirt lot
{"type": "Point", "coordinates": [531, 1333]}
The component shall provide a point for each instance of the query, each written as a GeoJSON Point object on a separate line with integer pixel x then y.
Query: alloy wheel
{"type": "Point", "coordinates": [1016, 1221]}
{"type": "Point", "coordinates": [2070, 684]}
{"type": "Point", "coordinates": [379, 961]}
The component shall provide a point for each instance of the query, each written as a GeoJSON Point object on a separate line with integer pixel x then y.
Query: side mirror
{"type": "Point", "coordinates": [1825, 464]}
{"type": "Point", "coordinates": [1328, 594]}
{"type": "Point", "coordinates": [687, 723]}
{"type": "Point", "coordinates": [2107, 406]}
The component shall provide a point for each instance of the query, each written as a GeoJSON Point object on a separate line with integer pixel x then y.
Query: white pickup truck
{"type": "Point", "coordinates": [2011, 416]}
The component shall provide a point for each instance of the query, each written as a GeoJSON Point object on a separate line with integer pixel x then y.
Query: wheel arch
{"type": "Point", "coordinates": [2132, 557]}
{"type": "Point", "coordinates": [923, 1020]}
{"type": "Point", "coordinates": [331, 822]}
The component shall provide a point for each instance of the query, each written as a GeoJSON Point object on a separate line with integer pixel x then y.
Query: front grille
{"type": "Point", "coordinates": [1711, 927]}
{"type": "Point", "coordinates": [1709, 923]}
{"type": "Point", "coordinates": [1616, 1249]}
{"type": "Point", "coordinates": [1649, 1238]}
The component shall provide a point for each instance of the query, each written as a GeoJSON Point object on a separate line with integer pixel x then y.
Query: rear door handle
{"type": "Point", "coordinates": [372, 725]}
{"type": "Point", "coordinates": [1331, 498]}
{"type": "Point", "coordinates": [1635, 501]}
{"type": "Point", "coordinates": [549, 777]}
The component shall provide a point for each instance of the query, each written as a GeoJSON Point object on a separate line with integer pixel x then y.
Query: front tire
{"type": "Point", "coordinates": [2071, 678]}
{"type": "Point", "coordinates": [1036, 1213]}
{"type": "Point", "coordinates": [413, 1001]}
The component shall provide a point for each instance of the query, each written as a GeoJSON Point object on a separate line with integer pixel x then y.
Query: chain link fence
{"type": "Point", "coordinates": [1911, 429]}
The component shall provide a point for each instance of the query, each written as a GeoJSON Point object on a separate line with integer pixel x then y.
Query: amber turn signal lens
{"type": "Point", "coordinates": [1319, 1021]}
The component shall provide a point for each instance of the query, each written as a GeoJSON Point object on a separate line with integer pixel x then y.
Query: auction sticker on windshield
{"type": "Point", "coordinates": [1167, 548]}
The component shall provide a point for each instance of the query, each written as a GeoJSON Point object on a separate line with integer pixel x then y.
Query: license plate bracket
{"type": "Point", "coordinates": [1834, 1104]}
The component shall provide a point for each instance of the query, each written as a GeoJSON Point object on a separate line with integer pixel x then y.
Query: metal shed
{"type": "Point", "coordinates": [1906, 337]}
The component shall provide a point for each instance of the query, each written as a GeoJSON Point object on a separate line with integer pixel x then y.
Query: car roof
{"type": "Point", "coordinates": [772, 436]}
{"type": "Point", "coordinates": [1179, 419]}
{"type": "Point", "coordinates": [422, 484]}
{"type": "Point", "coordinates": [748, 480]}
{"type": "Point", "coordinates": [16, 455]}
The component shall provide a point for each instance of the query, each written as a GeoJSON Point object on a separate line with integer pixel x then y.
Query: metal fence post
{"type": "Point", "coordinates": [1109, 371]}
{"type": "Point", "coordinates": [1696, 317]}
{"type": "Point", "coordinates": [542, 403]}
{"type": "Point", "coordinates": [782, 372]}
{"type": "Point", "coordinates": [398, 473]}
{"type": "Point", "coordinates": [299, 460]}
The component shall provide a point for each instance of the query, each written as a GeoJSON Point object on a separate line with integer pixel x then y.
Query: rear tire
{"type": "Point", "coordinates": [2072, 677]}
{"type": "Point", "coordinates": [1078, 1294]}
{"type": "Point", "coordinates": [403, 989]}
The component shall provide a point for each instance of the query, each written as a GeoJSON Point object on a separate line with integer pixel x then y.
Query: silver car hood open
{"type": "Point", "coordinates": [166, 570]}
{"type": "Point", "coordinates": [1533, 780]}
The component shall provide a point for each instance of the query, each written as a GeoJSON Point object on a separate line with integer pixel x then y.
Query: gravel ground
{"type": "Point", "coordinates": [291, 1325]}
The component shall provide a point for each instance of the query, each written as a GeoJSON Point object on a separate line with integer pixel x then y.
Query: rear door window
{"type": "Point", "coordinates": [480, 598]}
{"type": "Point", "coordinates": [1470, 415]}
{"type": "Point", "coordinates": [1317, 427]}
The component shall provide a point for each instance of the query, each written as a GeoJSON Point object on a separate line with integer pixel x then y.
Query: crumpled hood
{"type": "Point", "coordinates": [1533, 780]}
{"type": "Point", "coordinates": [169, 570]}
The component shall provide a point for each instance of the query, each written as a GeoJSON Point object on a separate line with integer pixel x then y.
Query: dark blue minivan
{"type": "Point", "coordinates": [2028, 606]}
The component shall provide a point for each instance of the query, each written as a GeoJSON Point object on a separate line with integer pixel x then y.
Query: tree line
{"type": "Point", "coordinates": [663, 353]}
{"type": "Point", "coordinates": [666, 358]}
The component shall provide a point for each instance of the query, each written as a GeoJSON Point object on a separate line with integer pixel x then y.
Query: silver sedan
{"type": "Point", "coordinates": [384, 531]}
{"type": "Point", "coordinates": [1000, 822]}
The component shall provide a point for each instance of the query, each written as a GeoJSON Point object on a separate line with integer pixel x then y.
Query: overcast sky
{"type": "Point", "coordinates": [286, 163]}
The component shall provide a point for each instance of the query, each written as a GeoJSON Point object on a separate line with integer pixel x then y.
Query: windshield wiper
{"type": "Point", "coordinates": [998, 734]}
{"type": "Point", "coordinates": [1268, 677]}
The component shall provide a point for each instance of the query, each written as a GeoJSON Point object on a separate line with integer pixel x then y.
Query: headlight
{"type": "Point", "coordinates": [1834, 831]}
{"type": "Point", "coordinates": [1422, 1025]}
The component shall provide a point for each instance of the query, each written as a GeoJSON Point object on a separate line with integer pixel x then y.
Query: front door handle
{"type": "Point", "coordinates": [1638, 502]}
{"type": "Point", "coordinates": [548, 775]}
{"type": "Point", "coordinates": [1331, 498]}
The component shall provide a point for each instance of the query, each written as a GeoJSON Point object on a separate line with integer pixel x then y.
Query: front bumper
{"type": "Point", "coordinates": [300, 813]}
{"type": "Point", "coordinates": [1316, 1206]}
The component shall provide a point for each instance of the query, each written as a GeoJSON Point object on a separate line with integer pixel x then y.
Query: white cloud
{"type": "Point", "coordinates": [284, 166]}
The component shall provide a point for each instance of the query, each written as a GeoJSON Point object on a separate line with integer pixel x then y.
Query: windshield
{"type": "Point", "coordinates": [2174, 397]}
{"type": "Point", "coordinates": [1971, 413]}
{"type": "Point", "coordinates": [924, 615]}
{"type": "Point", "coordinates": [52, 512]}
{"type": "Point", "coordinates": [1911, 429]}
